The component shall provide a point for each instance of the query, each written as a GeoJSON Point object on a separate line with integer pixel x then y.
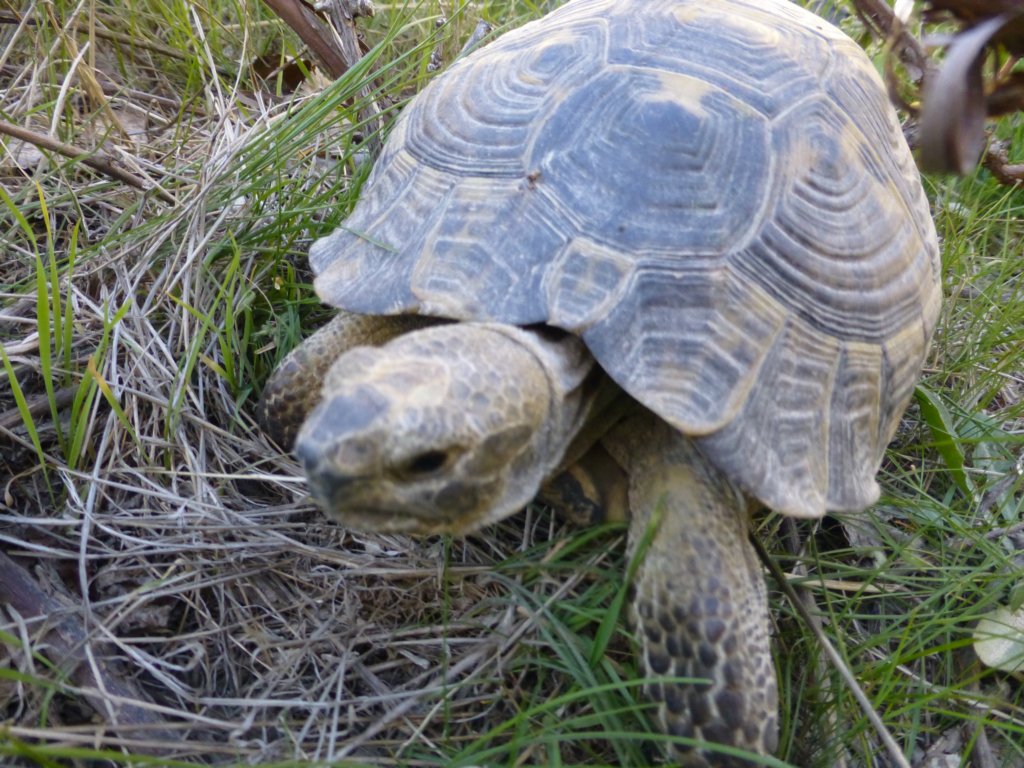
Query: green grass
{"type": "Point", "coordinates": [137, 333]}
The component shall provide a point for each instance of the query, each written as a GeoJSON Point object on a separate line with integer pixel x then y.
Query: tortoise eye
{"type": "Point", "coordinates": [425, 463]}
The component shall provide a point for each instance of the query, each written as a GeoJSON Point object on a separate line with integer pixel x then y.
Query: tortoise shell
{"type": "Point", "coordinates": [715, 195]}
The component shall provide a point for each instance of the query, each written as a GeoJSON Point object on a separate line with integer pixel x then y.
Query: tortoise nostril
{"type": "Point", "coordinates": [308, 452]}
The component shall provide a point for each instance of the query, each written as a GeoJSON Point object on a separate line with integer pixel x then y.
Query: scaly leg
{"type": "Point", "coordinates": [700, 604]}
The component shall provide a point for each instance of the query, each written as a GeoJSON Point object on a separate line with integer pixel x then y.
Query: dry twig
{"type": "Point", "coordinates": [62, 632]}
{"type": "Point", "coordinates": [96, 159]}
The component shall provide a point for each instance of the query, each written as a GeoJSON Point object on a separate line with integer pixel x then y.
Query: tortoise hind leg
{"type": "Point", "coordinates": [294, 387]}
{"type": "Point", "coordinates": [700, 603]}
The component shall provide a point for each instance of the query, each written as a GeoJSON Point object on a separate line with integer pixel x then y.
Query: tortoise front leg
{"type": "Point", "coordinates": [590, 491]}
{"type": "Point", "coordinates": [700, 603]}
{"type": "Point", "coordinates": [294, 388]}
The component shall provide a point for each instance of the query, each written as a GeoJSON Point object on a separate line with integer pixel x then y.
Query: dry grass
{"type": "Point", "coordinates": [182, 598]}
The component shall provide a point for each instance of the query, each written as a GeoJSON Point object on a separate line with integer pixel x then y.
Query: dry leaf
{"type": "Point", "coordinates": [999, 640]}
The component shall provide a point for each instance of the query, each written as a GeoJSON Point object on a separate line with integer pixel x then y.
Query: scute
{"type": "Point", "coordinates": [684, 189]}
{"type": "Point", "coordinates": [489, 239]}
{"type": "Point", "coordinates": [688, 343]}
{"type": "Point", "coordinates": [855, 88]}
{"type": "Point", "coordinates": [759, 269]}
{"type": "Point", "coordinates": [761, 58]}
{"type": "Point", "coordinates": [839, 247]}
{"type": "Point", "coordinates": [482, 118]}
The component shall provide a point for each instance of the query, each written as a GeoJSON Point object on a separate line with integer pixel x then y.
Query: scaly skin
{"type": "Point", "coordinates": [591, 490]}
{"type": "Point", "coordinates": [699, 603]}
{"type": "Point", "coordinates": [294, 388]}
{"type": "Point", "coordinates": [446, 429]}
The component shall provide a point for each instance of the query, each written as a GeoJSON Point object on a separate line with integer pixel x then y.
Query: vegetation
{"type": "Point", "coordinates": [201, 610]}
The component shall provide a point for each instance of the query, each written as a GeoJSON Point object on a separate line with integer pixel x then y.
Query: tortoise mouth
{"type": "Point", "coordinates": [371, 518]}
{"type": "Point", "coordinates": [360, 504]}
{"type": "Point", "coordinates": [373, 502]}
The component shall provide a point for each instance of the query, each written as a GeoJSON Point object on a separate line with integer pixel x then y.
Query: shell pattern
{"type": "Point", "coordinates": [715, 195]}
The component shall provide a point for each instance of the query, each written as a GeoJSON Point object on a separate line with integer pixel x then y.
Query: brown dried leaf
{"type": "Point", "coordinates": [288, 74]}
{"type": "Point", "coordinates": [953, 114]}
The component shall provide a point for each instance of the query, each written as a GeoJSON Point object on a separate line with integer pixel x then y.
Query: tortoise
{"type": "Point", "coordinates": [668, 259]}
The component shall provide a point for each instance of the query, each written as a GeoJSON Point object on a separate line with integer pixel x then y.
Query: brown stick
{"type": "Point", "coordinates": [338, 52]}
{"type": "Point", "coordinates": [36, 407]}
{"type": "Point", "coordinates": [997, 161]}
{"type": "Point", "coordinates": [97, 160]}
{"type": "Point", "coordinates": [64, 637]}
{"type": "Point", "coordinates": [307, 26]}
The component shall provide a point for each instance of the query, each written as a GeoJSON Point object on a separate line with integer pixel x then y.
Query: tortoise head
{"type": "Point", "coordinates": [440, 431]}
